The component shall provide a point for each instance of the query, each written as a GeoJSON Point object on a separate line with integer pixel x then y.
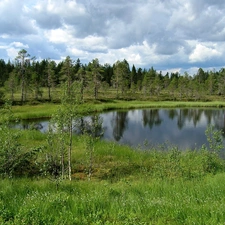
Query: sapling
{"type": "Point", "coordinates": [215, 139]}
{"type": "Point", "coordinates": [63, 122]}
{"type": "Point", "coordinates": [215, 142]}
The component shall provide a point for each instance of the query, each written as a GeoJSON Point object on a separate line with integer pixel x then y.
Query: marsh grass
{"type": "Point", "coordinates": [46, 110]}
{"type": "Point", "coordinates": [34, 111]}
{"type": "Point", "coordinates": [141, 201]}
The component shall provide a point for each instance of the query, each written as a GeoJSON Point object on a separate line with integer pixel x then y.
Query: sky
{"type": "Point", "coordinates": [170, 35]}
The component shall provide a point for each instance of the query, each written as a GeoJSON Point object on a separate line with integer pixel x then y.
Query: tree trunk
{"type": "Point", "coordinates": [70, 148]}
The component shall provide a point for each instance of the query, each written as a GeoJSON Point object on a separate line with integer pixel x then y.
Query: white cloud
{"type": "Point", "coordinates": [58, 36]}
{"type": "Point", "coordinates": [19, 45]}
{"type": "Point", "coordinates": [12, 52]}
{"type": "Point", "coordinates": [202, 53]}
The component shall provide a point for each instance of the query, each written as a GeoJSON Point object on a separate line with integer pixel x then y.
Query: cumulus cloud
{"type": "Point", "coordinates": [202, 53]}
{"type": "Point", "coordinates": [173, 35]}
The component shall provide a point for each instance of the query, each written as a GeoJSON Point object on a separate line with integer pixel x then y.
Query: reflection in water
{"type": "Point", "coordinates": [182, 127]}
{"type": "Point", "coordinates": [151, 117]}
{"type": "Point", "coordinates": [119, 123]}
{"type": "Point", "coordinates": [91, 125]}
{"type": "Point", "coordinates": [172, 113]}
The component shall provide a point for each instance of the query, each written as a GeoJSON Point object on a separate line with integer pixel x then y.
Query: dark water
{"type": "Point", "coordinates": [184, 128]}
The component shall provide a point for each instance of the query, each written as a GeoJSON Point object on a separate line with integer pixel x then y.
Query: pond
{"type": "Point", "coordinates": [184, 127]}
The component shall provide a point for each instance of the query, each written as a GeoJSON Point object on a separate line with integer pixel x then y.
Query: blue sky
{"type": "Point", "coordinates": [170, 35]}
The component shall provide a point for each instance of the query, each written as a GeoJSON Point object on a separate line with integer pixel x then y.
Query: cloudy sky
{"type": "Point", "coordinates": [170, 35]}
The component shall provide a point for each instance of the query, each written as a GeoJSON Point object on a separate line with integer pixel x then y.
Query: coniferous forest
{"type": "Point", "coordinates": [26, 79]}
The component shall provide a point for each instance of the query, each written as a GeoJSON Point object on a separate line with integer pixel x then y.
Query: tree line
{"type": "Point", "coordinates": [27, 76]}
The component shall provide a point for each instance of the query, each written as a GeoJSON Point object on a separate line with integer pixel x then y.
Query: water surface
{"type": "Point", "coordinates": [184, 128]}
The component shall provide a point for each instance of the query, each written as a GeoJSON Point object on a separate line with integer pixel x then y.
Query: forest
{"type": "Point", "coordinates": [26, 79]}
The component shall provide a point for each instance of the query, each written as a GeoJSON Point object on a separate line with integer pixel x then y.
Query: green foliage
{"type": "Point", "coordinates": [9, 145]}
{"type": "Point", "coordinates": [61, 132]}
{"type": "Point", "coordinates": [215, 139]}
{"type": "Point", "coordinates": [2, 95]}
{"type": "Point", "coordinates": [121, 77]}
{"type": "Point", "coordinates": [14, 159]}
{"type": "Point", "coordinates": [211, 161]}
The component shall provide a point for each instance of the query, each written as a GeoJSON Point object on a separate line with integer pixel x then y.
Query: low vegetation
{"type": "Point", "coordinates": [46, 110]}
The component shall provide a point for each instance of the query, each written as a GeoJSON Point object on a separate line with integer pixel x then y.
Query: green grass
{"type": "Point", "coordinates": [128, 186]}
{"type": "Point", "coordinates": [47, 109]}
{"type": "Point", "coordinates": [34, 111]}
{"type": "Point", "coordinates": [142, 201]}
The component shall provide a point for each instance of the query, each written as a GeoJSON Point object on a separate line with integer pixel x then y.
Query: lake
{"type": "Point", "coordinates": [184, 127]}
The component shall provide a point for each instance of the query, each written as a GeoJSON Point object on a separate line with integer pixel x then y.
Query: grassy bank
{"type": "Point", "coordinates": [46, 110]}
{"type": "Point", "coordinates": [127, 186]}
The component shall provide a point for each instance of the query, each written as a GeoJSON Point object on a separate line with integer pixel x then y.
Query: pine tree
{"type": "Point", "coordinates": [23, 59]}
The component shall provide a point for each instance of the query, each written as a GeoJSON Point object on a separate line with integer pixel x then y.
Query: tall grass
{"type": "Point", "coordinates": [141, 201]}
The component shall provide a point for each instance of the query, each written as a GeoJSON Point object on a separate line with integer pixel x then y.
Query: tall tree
{"type": "Point", "coordinates": [133, 79]}
{"type": "Point", "coordinates": [134, 75]}
{"type": "Point", "coordinates": [121, 75]}
{"type": "Point", "coordinates": [70, 105]}
{"type": "Point", "coordinates": [166, 80]}
{"type": "Point", "coordinates": [96, 71]}
{"type": "Point", "coordinates": [108, 73]}
{"type": "Point", "coordinates": [157, 85]}
{"type": "Point", "coordinates": [140, 76]}
{"type": "Point", "coordinates": [23, 59]}
{"type": "Point", "coordinates": [83, 80]}
{"type": "Point", "coordinates": [173, 85]}
{"type": "Point", "coordinates": [68, 73]}
{"type": "Point", "coordinates": [35, 79]}
{"type": "Point", "coordinates": [201, 76]}
{"type": "Point", "coordinates": [148, 81]}
{"type": "Point", "coordinates": [210, 84]}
